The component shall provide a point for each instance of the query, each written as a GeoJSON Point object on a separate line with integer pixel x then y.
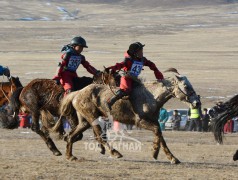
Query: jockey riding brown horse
{"type": "Point", "coordinates": [41, 98]}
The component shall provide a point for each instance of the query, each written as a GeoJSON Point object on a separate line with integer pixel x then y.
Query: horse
{"type": "Point", "coordinates": [7, 88]}
{"type": "Point", "coordinates": [140, 109]}
{"type": "Point", "coordinates": [230, 110]}
{"type": "Point", "coordinates": [41, 98]}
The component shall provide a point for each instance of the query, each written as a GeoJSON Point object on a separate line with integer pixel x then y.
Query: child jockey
{"type": "Point", "coordinates": [71, 59]}
{"type": "Point", "coordinates": [132, 65]}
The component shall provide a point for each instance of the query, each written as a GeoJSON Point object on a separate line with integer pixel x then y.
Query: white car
{"type": "Point", "coordinates": [184, 123]}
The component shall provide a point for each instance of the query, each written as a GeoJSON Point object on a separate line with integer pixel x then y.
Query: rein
{"type": "Point", "coordinates": [104, 79]}
{"type": "Point", "coordinates": [5, 95]}
{"type": "Point", "coordinates": [185, 94]}
{"type": "Point", "coordinates": [110, 86]}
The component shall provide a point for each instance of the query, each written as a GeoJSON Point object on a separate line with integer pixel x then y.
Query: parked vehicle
{"type": "Point", "coordinates": [184, 124]}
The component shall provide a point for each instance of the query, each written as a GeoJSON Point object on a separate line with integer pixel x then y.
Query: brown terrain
{"type": "Point", "coordinates": [198, 37]}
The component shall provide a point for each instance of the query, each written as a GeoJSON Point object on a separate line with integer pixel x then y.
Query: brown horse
{"type": "Point", "coordinates": [230, 110]}
{"type": "Point", "coordinates": [140, 109]}
{"type": "Point", "coordinates": [7, 88]}
{"type": "Point", "coordinates": [41, 97]}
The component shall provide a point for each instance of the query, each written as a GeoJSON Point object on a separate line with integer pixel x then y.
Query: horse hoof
{"type": "Point", "coordinates": [66, 137]}
{"type": "Point", "coordinates": [116, 153]}
{"type": "Point", "coordinates": [103, 151]}
{"type": "Point", "coordinates": [57, 153]}
{"type": "Point", "coordinates": [235, 158]}
{"type": "Point", "coordinates": [119, 156]}
{"type": "Point", "coordinates": [155, 154]}
{"type": "Point", "coordinates": [155, 157]}
{"type": "Point", "coordinates": [72, 158]}
{"type": "Point", "coordinates": [175, 161]}
{"type": "Point", "coordinates": [79, 137]}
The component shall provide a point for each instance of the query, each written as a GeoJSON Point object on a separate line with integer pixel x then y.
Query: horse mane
{"type": "Point", "coordinates": [218, 122]}
{"type": "Point", "coordinates": [16, 81]}
{"type": "Point", "coordinates": [80, 83]}
{"type": "Point", "coordinates": [14, 100]}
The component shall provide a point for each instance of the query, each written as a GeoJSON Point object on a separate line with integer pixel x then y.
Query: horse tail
{"type": "Point", "coordinates": [15, 102]}
{"type": "Point", "coordinates": [66, 106]}
{"type": "Point", "coordinates": [230, 111]}
{"type": "Point", "coordinates": [47, 119]}
{"type": "Point", "coordinates": [51, 124]}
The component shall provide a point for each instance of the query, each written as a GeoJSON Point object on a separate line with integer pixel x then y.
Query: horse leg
{"type": "Point", "coordinates": [36, 128]}
{"type": "Point", "coordinates": [73, 137]}
{"type": "Point", "coordinates": [169, 155]}
{"type": "Point", "coordinates": [98, 132]}
{"type": "Point", "coordinates": [158, 140]}
{"type": "Point", "coordinates": [235, 157]}
{"type": "Point", "coordinates": [102, 148]}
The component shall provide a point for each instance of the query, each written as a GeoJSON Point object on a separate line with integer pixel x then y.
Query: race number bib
{"type": "Point", "coordinates": [136, 68]}
{"type": "Point", "coordinates": [74, 63]}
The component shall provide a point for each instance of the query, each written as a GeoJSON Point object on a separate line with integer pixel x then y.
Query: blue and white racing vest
{"type": "Point", "coordinates": [74, 62]}
{"type": "Point", "coordinates": [136, 68]}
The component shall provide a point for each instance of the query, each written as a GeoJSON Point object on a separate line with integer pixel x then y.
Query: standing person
{"type": "Point", "coordinates": [71, 59]}
{"type": "Point", "coordinates": [218, 108]}
{"type": "Point", "coordinates": [195, 115]}
{"type": "Point", "coordinates": [24, 120]}
{"type": "Point", "coordinates": [163, 118]}
{"type": "Point", "coordinates": [205, 120]}
{"type": "Point", "coordinates": [176, 119]}
{"type": "Point", "coordinates": [4, 71]}
{"type": "Point", "coordinates": [229, 126]}
{"type": "Point", "coordinates": [235, 119]}
{"type": "Point", "coordinates": [132, 66]}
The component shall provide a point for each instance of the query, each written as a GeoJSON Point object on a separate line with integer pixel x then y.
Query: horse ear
{"type": "Point", "coordinates": [172, 70]}
{"type": "Point", "coordinates": [179, 78]}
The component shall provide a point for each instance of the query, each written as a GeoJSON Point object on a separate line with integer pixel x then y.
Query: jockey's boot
{"type": "Point", "coordinates": [119, 94]}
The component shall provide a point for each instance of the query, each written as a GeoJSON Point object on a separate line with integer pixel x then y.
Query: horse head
{"type": "Point", "coordinates": [107, 78]}
{"type": "Point", "coordinates": [183, 90]}
{"type": "Point", "coordinates": [7, 88]}
{"type": "Point", "coordinates": [15, 81]}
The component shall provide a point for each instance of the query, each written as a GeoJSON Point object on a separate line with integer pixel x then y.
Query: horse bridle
{"type": "Point", "coordinates": [109, 85]}
{"type": "Point", "coordinates": [185, 94]}
{"type": "Point", "coordinates": [4, 93]}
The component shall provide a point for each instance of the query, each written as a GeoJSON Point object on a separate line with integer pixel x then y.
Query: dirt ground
{"type": "Point", "coordinates": [197, 37]}
{"type": "Point", "coordinates": [25, 156]}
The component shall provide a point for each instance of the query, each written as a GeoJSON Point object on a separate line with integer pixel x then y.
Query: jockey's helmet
{"type": "Point", "coordinates": [78, 41]}
{"type": "Point", "coordinates": [134, 47]}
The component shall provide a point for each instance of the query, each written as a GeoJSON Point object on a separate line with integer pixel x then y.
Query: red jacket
{"type": "Point", "coordinates": [127, 64]}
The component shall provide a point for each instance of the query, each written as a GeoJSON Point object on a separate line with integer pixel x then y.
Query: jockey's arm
{"type": "Point", "coordinates": [153, 67]}
{"type": "Point", "coordinates": [89, 67]}
{"type": "Point", "coordinates": [117, 67]}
